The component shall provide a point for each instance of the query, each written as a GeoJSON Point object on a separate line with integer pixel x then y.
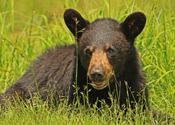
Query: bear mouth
{"type": "Point", "coordinates": [100, 85]}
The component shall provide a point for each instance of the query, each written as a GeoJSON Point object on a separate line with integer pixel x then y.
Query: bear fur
{"type": "Point", "coordinates": [104, 62]}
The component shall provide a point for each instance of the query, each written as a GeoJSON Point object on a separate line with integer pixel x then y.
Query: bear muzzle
{"type": "Point", "coordinates": [100, 79]}
{"type": "Point", "coordinates": [100, 71]}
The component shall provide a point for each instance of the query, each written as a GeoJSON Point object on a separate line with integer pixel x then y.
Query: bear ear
{"type": "Point", "coordinates": [133, 25]}
{"type": "Point", "coordinates": [75, 22]}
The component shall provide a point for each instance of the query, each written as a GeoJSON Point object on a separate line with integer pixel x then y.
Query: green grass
{"type": "Point", "coordinates": [28, 28]}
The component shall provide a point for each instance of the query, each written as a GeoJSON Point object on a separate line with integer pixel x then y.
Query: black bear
{"type": "Point", "coordinates": [104, 62]}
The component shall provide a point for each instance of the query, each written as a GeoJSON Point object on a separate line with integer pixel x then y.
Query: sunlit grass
{"type": "Point", "coordinates": [29, 29]}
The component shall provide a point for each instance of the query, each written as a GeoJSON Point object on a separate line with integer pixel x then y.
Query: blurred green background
{"type": "Point", "coordinates": [24, 9]}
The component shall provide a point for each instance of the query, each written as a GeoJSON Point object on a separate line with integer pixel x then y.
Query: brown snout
{"type": "Point", "coordinates": [99, 68]}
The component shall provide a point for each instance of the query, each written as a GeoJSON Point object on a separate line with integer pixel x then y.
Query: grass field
{"type": "Point", "coordinates": [30, 27]}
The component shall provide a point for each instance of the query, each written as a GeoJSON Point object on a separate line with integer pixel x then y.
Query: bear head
{"type": "Point", "coordinates": [104, 45]}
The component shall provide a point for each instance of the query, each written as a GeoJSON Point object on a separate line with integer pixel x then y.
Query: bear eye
{"type": "Point", "coordinates": [87, 51]}
{"type": "Point", "coordinates": [111, 52]}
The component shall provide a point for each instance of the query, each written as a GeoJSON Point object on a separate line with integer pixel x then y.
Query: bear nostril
{"type": "Point", "coordinates": [97, 74]}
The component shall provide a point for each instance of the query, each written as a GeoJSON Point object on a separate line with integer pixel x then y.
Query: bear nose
{"type": "Point", "coordinates": [97, 74]}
